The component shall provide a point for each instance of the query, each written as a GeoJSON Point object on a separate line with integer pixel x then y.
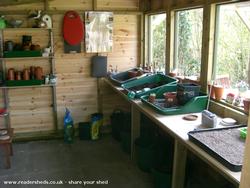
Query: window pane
{"type": "Point", "coordinates": [188, 42]}
{"type": "Point", "coordinates": [232, 57]}
{"type": "Point", "coordinates": [157, 41]}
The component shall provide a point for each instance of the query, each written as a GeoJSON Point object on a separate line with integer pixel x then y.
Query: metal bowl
{"type": "Point", "coordinates": [15, 23]}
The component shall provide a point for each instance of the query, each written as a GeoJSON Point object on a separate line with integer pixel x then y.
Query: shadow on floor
{"type": "Point", "coordinates": [98, 164]}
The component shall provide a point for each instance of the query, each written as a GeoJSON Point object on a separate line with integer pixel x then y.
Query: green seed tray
{"type": "Point", "coordinates": [23, 82]}
{"type": "Point", "coordinates": [194, 105]}
{"type": "Point", "coordinates": [157, 81]}
{"type": "Point", "coordinates": [27, 53]}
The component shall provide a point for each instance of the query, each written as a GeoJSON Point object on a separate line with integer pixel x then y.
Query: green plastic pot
{"type": "Point", "coordinates": [145, 152]}
{"type": "Point", "coordinates": [126, 141]}
{"type": "Point", "coordinates": [162, 179]}
{"type": "Point", "coordinates": [2, 23]}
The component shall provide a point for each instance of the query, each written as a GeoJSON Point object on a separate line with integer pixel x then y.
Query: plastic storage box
{"type": "Point", "coordinates": [196, 104]}
{"type": "Point", "coordinates": [243, 132]}
{"type": "Point", "coordinates": [148, 84]}
{"type": "Point", "coordinates": [187, 91]}
{"type": "Point", "coordinates": [124, 77]}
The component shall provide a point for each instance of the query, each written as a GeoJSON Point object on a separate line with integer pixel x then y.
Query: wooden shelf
{"type": "Point", "coordinates": [16, 87]}
{"type": "Point", "coordinates": [25, 58]}
{"type": "Point", "coordinates": [25, 28]}
{"type": "Point", "coordinates": [49, 61]}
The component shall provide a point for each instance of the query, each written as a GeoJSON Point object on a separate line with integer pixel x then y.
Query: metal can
{"type": "Point", "coordinates": [46, 79]}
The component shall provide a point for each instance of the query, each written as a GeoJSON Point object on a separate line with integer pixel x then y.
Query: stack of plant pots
{"type": "Point", "coordinates": [154, 154]}
{"type": "Point", "coordinates": [121, 129]}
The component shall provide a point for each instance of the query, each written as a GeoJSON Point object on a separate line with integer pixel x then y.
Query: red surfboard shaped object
{"type": "Point", "coordinates": [72, 28]}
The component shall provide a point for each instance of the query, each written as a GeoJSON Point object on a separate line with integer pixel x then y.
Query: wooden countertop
{"type": "Point", "coordinates": [178, 128]}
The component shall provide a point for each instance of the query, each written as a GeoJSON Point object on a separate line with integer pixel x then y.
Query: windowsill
{"type": "Point", "coordinates": [225, 110]}
{"type": "Point", "coordinates": [183, 79]}
{"type": "Point", "coordinates": [223, 102]}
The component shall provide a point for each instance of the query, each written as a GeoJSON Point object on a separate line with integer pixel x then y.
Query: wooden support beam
{"type": "Point", "coordinates": [245, 180]}
{"type": "Point", "coordinates": [142, 37]}
{"type": "Point", "coordinates": [51, 12]}
{"type": "Point", "coordinates": [94, 4]}
{"type": "Point", "coordinates": [135, 129]}
{"type": "Point", "coordinates": [170, 41]}
{"type": "Point", "coordinates": [179, 168]}
{"type": "Point", "coordinates": [46, 5]}
{"type": "Point", "coordinates": [99, 95]}
{"type": "Point", "coordinates": [144, 5]}
{"type": "Point", "coordinates": [208, 39]}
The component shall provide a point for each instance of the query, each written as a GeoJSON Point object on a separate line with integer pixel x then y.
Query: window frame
{"type": "Point", "coordinates": [148, 33]}
{"type": "Point", "coordinates": [215, 53]}
{"type": "Point", "coordinates": [175, 35]}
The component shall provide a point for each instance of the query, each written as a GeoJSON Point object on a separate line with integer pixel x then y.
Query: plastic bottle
{"type": "Point", "coordinates": [96, 123]}
{"type": "Point", "coordinates": [68, 127]}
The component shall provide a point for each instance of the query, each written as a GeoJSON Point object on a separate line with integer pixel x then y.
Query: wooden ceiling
{"type": "Point", "coordinates": [18, 2]}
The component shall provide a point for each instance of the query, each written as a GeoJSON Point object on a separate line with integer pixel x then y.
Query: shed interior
{"type": "Point", "coordinates": [181, 38]}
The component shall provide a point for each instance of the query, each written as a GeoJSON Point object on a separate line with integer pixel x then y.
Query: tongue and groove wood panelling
{"type": "Point", "coordinates": [23, 7]}
{"type": "Point", "coordinates": [126, 54]}
{"type": "Point", "coordinates": [31, 108]}
{"type": "Point", "coordinates": [70, 5]}
{"type": "Point", "coordinates": [117, 5]}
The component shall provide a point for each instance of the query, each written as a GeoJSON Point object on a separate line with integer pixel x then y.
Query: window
{"type": "Point", "coordinates": [232, 48]}
{"type": "Point", "coordinates": [188, 42]}
{"type": "Point", "coordinates": [157, 42]}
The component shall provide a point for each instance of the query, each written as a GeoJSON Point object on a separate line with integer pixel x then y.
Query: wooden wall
{"type": "Point", "coordinates": [31, 108]}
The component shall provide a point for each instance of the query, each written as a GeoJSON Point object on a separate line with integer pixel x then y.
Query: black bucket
{"type": "Point", "coordinates": [85, 130]}
{"type": "Point", "coordinates": [126, 141]}
{"type": "Point", "coordinates": [145, 152]}
{"type": "Point", "coordinates": [116, 124]}
{"type": "Point", "coordinates": [162, 178]}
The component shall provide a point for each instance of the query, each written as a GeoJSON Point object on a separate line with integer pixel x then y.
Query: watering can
{"type": "Point", "coordinates": [2, 22]}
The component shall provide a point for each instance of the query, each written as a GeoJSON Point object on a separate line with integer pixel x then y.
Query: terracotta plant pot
{"type": "Point", "coordinates": [212, 94]}
{"type": "Point", "coordinates": [18, 75]}
{"type": "Point", "coordinates": [26, 74]}
{"type": "Point", "coordinates": [218, 92]}
{"type": "Point", "coordinates": [139, 73]}
{"type": "Point", "coordinates": [32, 72]}
{"type": "Point", "coordinates": [39, 73]}
{"type": "Point", "coordinates": [246, 103]}
{"type": "Point", "coordinates": [132, 74]}
{"type": "Point", "coordinates": [170, 99]}
{"type": "Point", "coordinates": [11, 74]}
{"type": "Point", "coordinates": [152, 97]}
{"type": "Point", "coordinates": [172, 74]}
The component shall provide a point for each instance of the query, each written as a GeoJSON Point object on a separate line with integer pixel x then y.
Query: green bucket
{"type": "Point", "coordinates": [145, 152]}
{"type": "Point", "coordinates": [126, 141]}
{"type": "Point", "coordinates": [162, 179]}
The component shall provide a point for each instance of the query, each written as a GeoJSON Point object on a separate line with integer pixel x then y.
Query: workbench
{"type": "Point", "coordinates": [176, 127]}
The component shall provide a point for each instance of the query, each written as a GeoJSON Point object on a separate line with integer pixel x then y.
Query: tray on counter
{"type": "Point", "coordinates": [23, 53]}
{"type": "Point", "coordinates": [196, 104]}
{"type": "Point", "coordinates": [23, 82]}
{"type": "Point", "coordinates": [123, 77]}
{"type": "Point", "coordinates": [153, 82]}
{"type": "Point", "coordinates": [224, 144]}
